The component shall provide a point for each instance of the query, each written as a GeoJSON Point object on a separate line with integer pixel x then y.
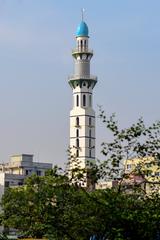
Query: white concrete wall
{"type": "Point", "coordinates": [83, 113]}
{"type": "Point", "coordinates": [2, 184]}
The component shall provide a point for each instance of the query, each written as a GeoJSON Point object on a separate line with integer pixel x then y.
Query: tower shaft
{"type": "Point", "coordinates": [82, 115]}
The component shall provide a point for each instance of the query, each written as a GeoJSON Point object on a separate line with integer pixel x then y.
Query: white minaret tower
{"type": "Point", "coordinates": [82, 115]}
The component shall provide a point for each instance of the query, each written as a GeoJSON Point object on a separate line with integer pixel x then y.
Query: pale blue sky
{"type": "Point", "coordinates": [36, 38]}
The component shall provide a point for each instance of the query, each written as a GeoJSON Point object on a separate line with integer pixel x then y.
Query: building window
{"type": "Point", "coordinates": [84, 100]}
{"type": "Point", "coordinates": [90, 153]}
{"type": "Point", "coordinates": [20, 183]}
{"type": "Point", "coordinates": [77, 101]}
{"type": "Point", "coordinates": [77, 121]}
{"type": "Point", "coordinates": [90, 121]}
{"type": "Point", "coordinates": [89, 143]}
{"type": "Point", "coordinates": [129, 166]}
{"type": "Point", "coordinates": [77, 153]}
{"type": "Point", "coordinates": [6, 183]}
{"type": "Point", "coordinates": [77, 133]}
{"type": "Point", "coordinates": [90, 133]}
{"type": "Point", "coordinates": [27, 172]}
{"type": "Point", "coordinates": [90, 100]}
{"type": "Point", "coordinates": [81, 43]}
{"type": "Point", "coordinates": [77, 143]}
{"type": "Point", "coordinates": [38, 173]}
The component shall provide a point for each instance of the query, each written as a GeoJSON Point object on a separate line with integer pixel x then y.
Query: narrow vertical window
{"type": "Point", "coordinates": [77, 133]}
{"type": "Point", "coordinates": [77, 153]}
{"type": "Point", "coordinates": [89, 143]}
{"type": "Point", "coordinates": [90, 121]}
{"type": "Point", "coordinates": [81, 43]}
{"type": "Point", "coordinates": [77, 143]}
{"type": "Point", "coordinates": [90, 133]}
{"type": "Point", "coordinates": [90, 100]}
{"type": "Point", "coordinates": [77, 121]}
{"type": "Point", "coordinates": [84, 100]}
{"type": "Point", "coordinates": [77, 101]}
{"type": "Point", "coordinates": [90, 153]}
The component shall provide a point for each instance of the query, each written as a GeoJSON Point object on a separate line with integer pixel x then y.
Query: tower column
{"type": "Point", "coordinates": [82, 115]}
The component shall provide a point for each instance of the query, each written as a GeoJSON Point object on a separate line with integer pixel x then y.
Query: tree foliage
{"type": "Point", "coordinates": [58, 211]}
{"type": "Point", "coordinates": [56, 207]}
{"type": "Point", "coordinates": [135, 142]}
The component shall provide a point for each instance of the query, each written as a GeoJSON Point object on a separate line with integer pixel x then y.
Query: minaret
{"type": "Point", "coordinates": [82, 115]}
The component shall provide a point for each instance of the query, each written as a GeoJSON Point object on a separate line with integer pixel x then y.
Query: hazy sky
{"type": "Point", "coordinates": [36, 38]}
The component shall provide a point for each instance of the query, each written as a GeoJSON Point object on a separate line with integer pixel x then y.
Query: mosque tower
{"type": "Point", "coordinates": [82, 115]}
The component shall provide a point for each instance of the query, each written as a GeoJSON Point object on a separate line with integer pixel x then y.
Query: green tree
{"type": "Point", "coordinates": [137, 141]}
{"type": "Point", "coordinates": [50, 206]}
{"type": "Point", "coordinates": [56, 207]}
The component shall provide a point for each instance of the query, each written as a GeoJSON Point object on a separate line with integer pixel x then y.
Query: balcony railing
{"type": "Point", "coordinates": [82, 50]}
{"type": "Point", "coordinates": [77, 77]}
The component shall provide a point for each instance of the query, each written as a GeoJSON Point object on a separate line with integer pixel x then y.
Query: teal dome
{"type": "Point", "coordinates": [82, 30]}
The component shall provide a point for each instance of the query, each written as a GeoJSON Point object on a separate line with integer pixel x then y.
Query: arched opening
{"type": "Point", "coordinates": [77, 121]}
{"type": "Point", "coordinates": [84, 100]}
{"type": "Point", "coordinates": [77, 101]}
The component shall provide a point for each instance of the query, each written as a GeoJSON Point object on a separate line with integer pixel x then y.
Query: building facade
{"type": "Point", "coordinates": [82, 115]}
{"type": "Point", "coordinates": [21, 166]}
{"type": "Point", "coordinates": [143, 171]}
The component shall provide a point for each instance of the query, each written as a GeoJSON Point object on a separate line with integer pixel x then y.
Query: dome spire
{"type": "Point", "coordinates": [82, 11]}
{"type": "Point", "coordinates": [82, 30]}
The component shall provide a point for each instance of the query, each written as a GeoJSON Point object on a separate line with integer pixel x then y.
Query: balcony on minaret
{"type": "Point", "coordinates": [82, 50]}
{"type": "Point", "coordinates": [77, 77]}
